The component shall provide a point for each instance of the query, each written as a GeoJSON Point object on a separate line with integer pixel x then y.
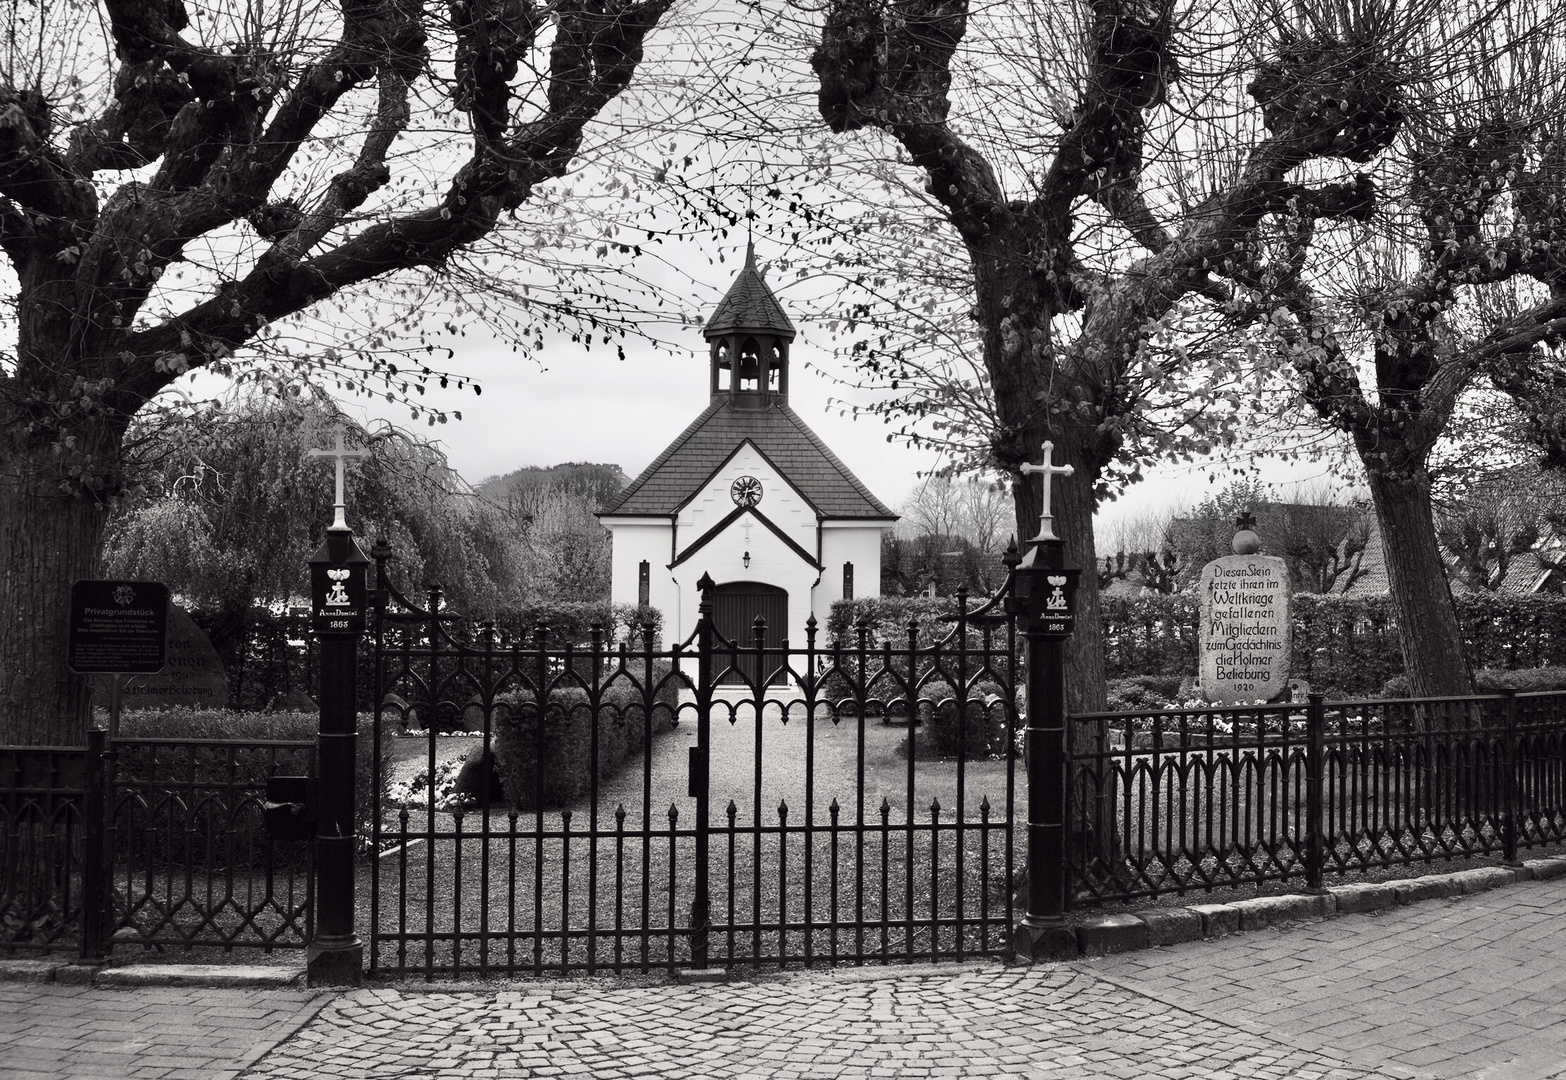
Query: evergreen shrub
{"type": "Point", "coordinates": [543, 750]}
{"type": "Point", "coordinates": [944, 730]}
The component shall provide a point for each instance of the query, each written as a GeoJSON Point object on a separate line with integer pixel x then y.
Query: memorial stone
{"type": "Point", "coordinates": [192, 676]}
{"type": "Point", "coordinates": [1245, 634]}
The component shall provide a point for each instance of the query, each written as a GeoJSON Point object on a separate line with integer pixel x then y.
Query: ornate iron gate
{"type": "Point", "coordinates": [649, 817]}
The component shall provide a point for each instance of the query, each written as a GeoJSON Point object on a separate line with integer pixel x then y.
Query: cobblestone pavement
{"type": "Point", "coordinates": [1472, 986]}
{"type": "Point", "coordinates": [55, 1032]}
{"type": "Point", "coordinates": [977, 1022]}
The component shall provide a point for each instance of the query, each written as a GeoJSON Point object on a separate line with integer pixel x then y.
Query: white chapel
{"type": "Point", "coordinates": [749, 495]}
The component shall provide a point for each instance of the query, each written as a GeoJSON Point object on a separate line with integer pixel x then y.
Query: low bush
{"type": "Point", "coordinates": [544, 750]}
{"type": "Point", "coordinates": [945, 730]}
{"type": "Point", "coordinates": [1493, 680]}
{"type": "Point", "coordinates": [1489, 680]}
{"type": "Point", "coordinates": [1144, 692]}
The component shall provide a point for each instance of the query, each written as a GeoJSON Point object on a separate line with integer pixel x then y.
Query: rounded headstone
{"type": "Point", "coordinates": [1245, 633]}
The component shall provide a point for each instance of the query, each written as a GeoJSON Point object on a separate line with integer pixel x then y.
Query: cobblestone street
{"type": "Point", "coordinates": [1466, 987]}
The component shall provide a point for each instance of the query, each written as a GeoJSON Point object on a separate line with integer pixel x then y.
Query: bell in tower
{"type": "Point", "coordinates": [749, 336]}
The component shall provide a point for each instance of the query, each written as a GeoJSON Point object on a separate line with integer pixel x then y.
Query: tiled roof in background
{"type": "Point", "coordinates": [777, 432]}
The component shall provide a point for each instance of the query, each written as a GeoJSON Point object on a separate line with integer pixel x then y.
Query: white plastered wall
{"type": "Point", "coordinates": [784, 506]}
{"type": "Point", "coordinates": [856, 542]}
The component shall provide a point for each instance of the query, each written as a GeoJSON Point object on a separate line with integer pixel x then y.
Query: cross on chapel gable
{"type": "Point", "coordinates": [1049, 471]}
{"type": "Point", "coordinates": [341, 453]}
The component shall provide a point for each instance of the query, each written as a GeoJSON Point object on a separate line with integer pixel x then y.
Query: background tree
{"type": "Point", "coordinates": [229, 506]}
{"type": "Point", "coordinates": [950, 534]}
{"type": "Point", "coordinates": [1453, 278]}
{"type": "Point", "coordinates": [171, 187]}
{"type": "Point", "coordinates": [1093, 191]}
{"type": "Point", "coordinates": [1485, 527]}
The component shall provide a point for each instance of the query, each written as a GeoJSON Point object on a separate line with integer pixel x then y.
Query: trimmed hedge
{"type": "Point", "coordinates": [544, 755]}
{"type": "Point", "coordinates": [263, 664]}
{"type": "Point", "coordinates": [1347, 643]}
{"type": "Point", "coordinates": [211, 763]}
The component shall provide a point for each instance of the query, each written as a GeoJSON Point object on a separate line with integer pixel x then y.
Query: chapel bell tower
{"type": "Point", "coordinates": [748, 337]}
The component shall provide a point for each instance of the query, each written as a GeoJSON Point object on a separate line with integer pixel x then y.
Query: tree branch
{"type": "Point", "coordinates": [595, 53]}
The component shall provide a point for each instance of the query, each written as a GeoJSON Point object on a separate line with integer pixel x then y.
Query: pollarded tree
{"type": "Point", "coordinates": [1390, 322]}
{"type": "Point", "coordinates": [1094, 163]}
{"type": "Point", "coordinates": [175, 179]}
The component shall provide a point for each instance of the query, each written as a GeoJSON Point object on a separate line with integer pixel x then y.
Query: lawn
{"type": "Point", "coordinates": [606, 893]}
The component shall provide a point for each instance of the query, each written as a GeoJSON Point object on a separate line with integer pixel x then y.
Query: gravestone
{"type": "Point", "coordinates": [1245, 636]}
{"type": "Point", "coordinates": [192, 676]}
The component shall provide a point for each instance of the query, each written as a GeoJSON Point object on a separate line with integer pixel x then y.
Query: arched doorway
{"type": "Point", "coordinates": [735, 607]}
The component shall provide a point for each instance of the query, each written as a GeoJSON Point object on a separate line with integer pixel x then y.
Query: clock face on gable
{"type": "Point", "coordinates": [746, 491]}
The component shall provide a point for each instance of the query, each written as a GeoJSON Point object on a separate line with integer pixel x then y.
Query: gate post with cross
{"type": "Point", "coordinates": [1044, 594]}
{"type": "Point", "coordinates": [339, 596]}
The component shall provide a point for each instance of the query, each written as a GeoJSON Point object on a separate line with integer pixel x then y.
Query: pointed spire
{"type": "Point", "coordinates": [749, 305]}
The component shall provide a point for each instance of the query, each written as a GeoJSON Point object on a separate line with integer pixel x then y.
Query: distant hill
{"type": "Point", "coordinates": [600, 482]}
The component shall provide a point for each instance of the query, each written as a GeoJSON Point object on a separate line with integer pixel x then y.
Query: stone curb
{"type": "Point", "coordinates": [1172, 926]}
{"type": "Point", "coordinates": [259, 976]}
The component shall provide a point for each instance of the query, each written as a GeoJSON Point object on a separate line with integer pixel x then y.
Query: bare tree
{"type": "Point", "coordinates": [1452, 278]}
{"type": "Point", "coordinates": [171, 186]}
{"type": "Point", "coordinates": [1094, 190]}
{"type": "Point", "coordinates": [972, 507]}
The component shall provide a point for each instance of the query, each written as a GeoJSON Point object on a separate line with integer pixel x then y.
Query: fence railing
{"type": "Point", "coordinates": [713, 802]}
{"type": "Point", "coordinates": [1192, 800]}
{"type": "Point", "coordinates": [51, 848]}
{"type": "Point", "coordinates": [138, 842]}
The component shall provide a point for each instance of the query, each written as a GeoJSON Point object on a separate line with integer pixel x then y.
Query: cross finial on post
{"type": "Point", "coordinates": [1046, 518]}
{"type": "Point", "coordinates": [341, 453]}
{"type": "Point", "coordinates": [1245, 521]}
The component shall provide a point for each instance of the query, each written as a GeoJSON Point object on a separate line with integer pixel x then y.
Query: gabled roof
{"type": "Point", "coordinates": [749, 305]}
{"type": "Point", "coordinates": [778, 433]}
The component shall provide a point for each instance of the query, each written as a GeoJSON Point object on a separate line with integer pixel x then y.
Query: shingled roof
{"type": "Point", "coordinates": [777, 432]}
{"type": "Point", "coordinates": [749, 305]}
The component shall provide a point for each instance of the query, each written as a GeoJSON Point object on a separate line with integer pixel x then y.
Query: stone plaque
{"type": "Point", "coordinates": [192, 676]}
{"type": "Point", "coordinates": [1245, 633]}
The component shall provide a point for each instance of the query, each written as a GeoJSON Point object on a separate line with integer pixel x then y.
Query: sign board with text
{"type": "Point", "coordinates": [118, 626]}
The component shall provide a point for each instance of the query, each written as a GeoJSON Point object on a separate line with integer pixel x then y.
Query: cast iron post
{"type": "Point", "coordinates": [336, 956]}
{"type": "Point", "coordinates": [1315, 775]}
{"type": "Point", "coordinates": [339, 595]}
{"type": "Point", "coordinates": [1507, 795]}
{"type": "Point", "coordinates": [1045, 596]}
{"type": "Point", "coordinates": [699, 786]}
{"type": "Point", "coordinates": [95, 822]}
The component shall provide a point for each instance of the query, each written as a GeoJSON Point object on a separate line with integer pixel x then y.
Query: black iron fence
{"type": "Point", "coordinates": [51, 847]}
{"type": "Point", "coordinates": [1195, 800]}
{"type": "Point", "coordinates": [148, 843]}
{"type": "Point", "coordinates": [710, 803]}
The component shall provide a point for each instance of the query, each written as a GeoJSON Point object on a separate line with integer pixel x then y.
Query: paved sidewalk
{"type": "Point", "coordinates": [1472, 987]}
{"type": "Point", "coordinates": [50, 1031]}
{"type": "Point", "coordinates": [1052, 1022]}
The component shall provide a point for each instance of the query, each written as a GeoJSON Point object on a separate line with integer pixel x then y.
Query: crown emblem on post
{"type": "Point", "coordinates": [1056, 581]}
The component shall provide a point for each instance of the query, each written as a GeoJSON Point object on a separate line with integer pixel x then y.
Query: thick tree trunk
{"type": "Point", "coordinates": [1433, 654]}
{"type": "Point", "coordinates": [49, 537]}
